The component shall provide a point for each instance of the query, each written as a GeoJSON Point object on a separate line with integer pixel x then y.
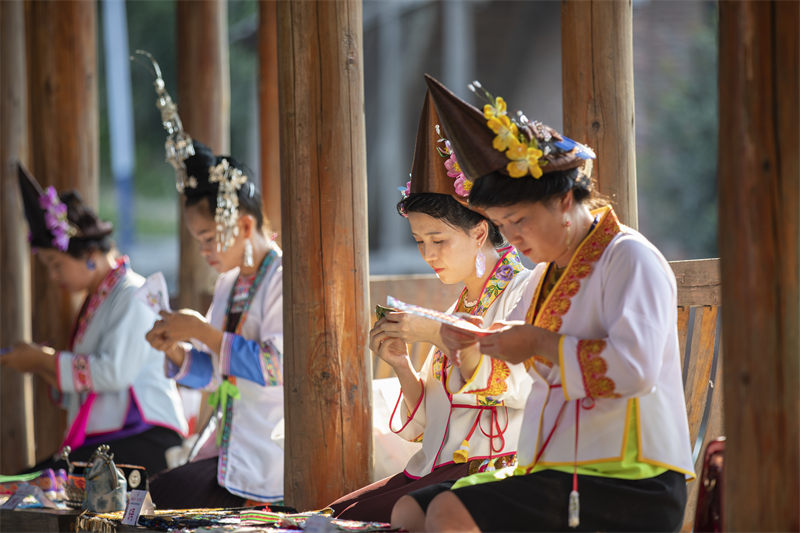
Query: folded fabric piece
{"type": "Point", "coordinates": [52, 482]}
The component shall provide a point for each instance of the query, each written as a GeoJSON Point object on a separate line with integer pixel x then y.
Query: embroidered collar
{"type": "Point", "coordinates": [262, 271]}
{"type": "Point", "coordinates": [508, 266]}
{"type": "Point", "coordinates": [557, 303]}
{"type": "Point", "coordinates": [94, 300]}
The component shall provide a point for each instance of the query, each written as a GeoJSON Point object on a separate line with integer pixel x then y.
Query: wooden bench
{"type": "Point", "coordinates": [699, 324]}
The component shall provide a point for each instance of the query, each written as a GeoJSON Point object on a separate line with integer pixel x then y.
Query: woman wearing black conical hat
{"type": "Point", "coordinates": [108, 378]}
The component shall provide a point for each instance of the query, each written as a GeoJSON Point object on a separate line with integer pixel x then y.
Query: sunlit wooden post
{"type": "Point", "coordinates": [268, 113]}
{"type": "Point", "coordinates": [598, 99]}
{"type": "Point", "coordinates": [324, 219]}
{"type": "Point", "coordinates": [759, 221]}
{"type": "Point", "coordinates": [203, 100]}
{"type": "Point", "coordinates": [64, 153]}
{"type": "Point", "coordinates": [16, 400]}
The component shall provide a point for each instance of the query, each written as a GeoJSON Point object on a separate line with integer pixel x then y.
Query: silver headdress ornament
{"type": "Point", "coordinates": [178, 145]}
{"type": "Point", "coordinates": [226, 216]}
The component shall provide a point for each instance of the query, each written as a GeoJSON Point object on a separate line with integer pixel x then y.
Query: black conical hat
{"type": "Point", "coordinates": [31, 191]}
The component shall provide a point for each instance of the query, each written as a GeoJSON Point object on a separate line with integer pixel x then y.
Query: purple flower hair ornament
{"type": "Point", "coordinates": [55, 218]}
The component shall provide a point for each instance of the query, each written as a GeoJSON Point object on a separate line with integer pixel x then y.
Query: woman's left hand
{"type": "Point", "coordinates": [28, 357]}
{"type": "Point", "coordinates": [518, 342]}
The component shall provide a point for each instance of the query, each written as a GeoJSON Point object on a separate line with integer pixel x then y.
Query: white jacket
{"type": "Point", "coordinates": [445, 415]}
{"type": "Point", "coordinates": [111, 357]}
{"type": "Point", "coordinates": [250, 462]}
{"type": "Point", "coordinates": [615, 307]}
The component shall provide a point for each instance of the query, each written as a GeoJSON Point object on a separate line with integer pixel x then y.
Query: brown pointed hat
{"type": "Point", "coordinates": [435, 169]}
{"type": "Point", "coordinates": [490, 141]}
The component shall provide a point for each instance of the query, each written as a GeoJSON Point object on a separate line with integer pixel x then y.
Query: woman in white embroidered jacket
{"type": "Point", "coordinates": [464, 407]}
{"type": "Point", "coordinates": [236, 350]}
{"type": "Point", "coordinates": [605, 440]}
{"type": "Point", "coordinates": [109, 378]}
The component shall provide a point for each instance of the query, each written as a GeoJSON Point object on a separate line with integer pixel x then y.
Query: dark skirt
{"type": "Point", "coordinates": [145, 449]}
{"type": "Point", "coordinates": [374, 502]}
{"type": "Point", "coordinates": [192, 485]}
{"type": "Point", "coordinates": [539, 502]}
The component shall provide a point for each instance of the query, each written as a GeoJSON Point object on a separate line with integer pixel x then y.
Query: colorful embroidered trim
{"type": "Point", "coordinates": [594, 368]}
{"type": "Point", "coordinates": [262, 271]}
{"type": "Point", "coordinates": [97, 298]}
{"type": "Point", "coordinates": [580, 266]}
{"type": "Point", "coordinates": [224, 441]}
{"type": "Point", "coordinates": [81, 373]}
{"type": "Point", "coordinates": [508, 266]}
{"type": "Point", "coordinates": [496, 385]}
{"type": "Point", "coordinates": [271, 364]}
{"type": "Point", "coordinates": [504, 271]}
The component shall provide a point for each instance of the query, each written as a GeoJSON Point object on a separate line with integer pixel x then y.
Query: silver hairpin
{"type": "Point", "coordinates": [178, 146]}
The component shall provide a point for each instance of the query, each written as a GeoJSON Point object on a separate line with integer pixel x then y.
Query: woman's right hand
{"type": "Point", "coordinates": [390, 348]}
{"type": "Point", "coordinates": [174, 351]}
{"type": "Point", "coordinates": [411, 328]}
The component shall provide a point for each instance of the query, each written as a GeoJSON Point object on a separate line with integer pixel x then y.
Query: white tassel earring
{"type": "Point", "coordinates": [248, 253]}
{"type": "Point", "coordinates": [480, 263]}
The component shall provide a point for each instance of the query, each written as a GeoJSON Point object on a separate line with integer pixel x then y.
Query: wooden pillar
{"type": "Point", "coordinates": [268, 113]}
{"type": "Point", "coordinates": [204, 99]}
{"type": "Point", "coordinates": [62, 55]}
{"type": "Point", "coordinates": [759, 220]}
{"type": "Point", "coordinates": [325, 276]}
{"type": "Point", "coordinates": [16, 400]}
{"type": "Point", "coordinates": [597, 77]}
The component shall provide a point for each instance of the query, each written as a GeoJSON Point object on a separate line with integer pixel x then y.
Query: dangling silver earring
{"type": "Point", "coordinates": [248, 253]}
{"type": "Point", "coordinates": [480, 263]}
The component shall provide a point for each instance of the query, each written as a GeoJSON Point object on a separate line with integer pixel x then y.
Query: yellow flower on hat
{"type": "Point", "coordinates": [524, 159]}
{"type": "Point", "coordinates": [494, 110]}
{"type": "Point", "coordinates": [506, 132]}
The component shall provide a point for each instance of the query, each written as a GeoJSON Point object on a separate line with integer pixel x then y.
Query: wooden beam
{"type": "Point", "coordinates": [16, 400]}
{"type": "Point", "coordinates": [62, 56]}
{"type": "Point", "coordinates": [698, 281]}
{"type": "Point", "coordinates": [323, 179]}
{"type": "Point", "coordinates": [759, 220]}
{"type": "Point", "coordinates": [204, 96]}
{"type": "Point", "coordinates": [268, 114]}
{"type": "Point", "coordinates": [597, 78]}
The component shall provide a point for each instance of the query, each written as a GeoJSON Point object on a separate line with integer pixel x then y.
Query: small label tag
{"type": "Point", "coordinates": [134, 508]}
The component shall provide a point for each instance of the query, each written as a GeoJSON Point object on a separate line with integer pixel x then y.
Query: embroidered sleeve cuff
{"type": "Point", "coordinates": [197, 370]}
{"type": "Point", "coordinates": [74, 372]}
{"type": "Point", "coordinates": [403, 409]}
{"type": "Point", "coordinates": [584, 369]}
{"type": "Point", "coordinates": [259, 362]}
{"type": "Point", "coordinates": [489, 380]}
